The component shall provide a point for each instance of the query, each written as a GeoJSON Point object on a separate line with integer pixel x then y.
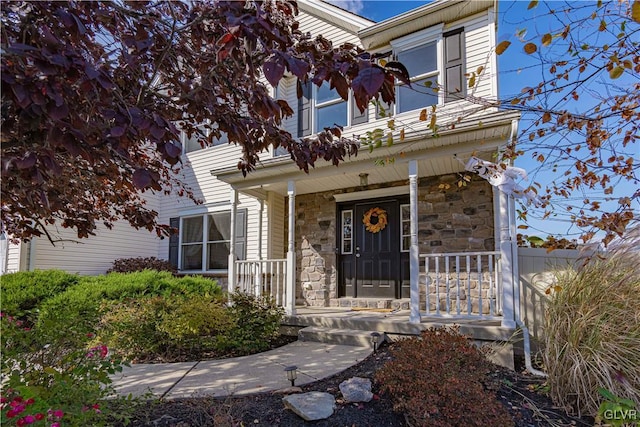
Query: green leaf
{"type": "Point", "coordinates": [606, 394]}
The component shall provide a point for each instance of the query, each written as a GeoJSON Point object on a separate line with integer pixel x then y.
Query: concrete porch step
{"type": "Point", "coordinates": [353, 337]}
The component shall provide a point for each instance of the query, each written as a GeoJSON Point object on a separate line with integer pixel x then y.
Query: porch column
{"type": "Point", "coordinates": [290, 300]}
{"type": "Point", "coordinates": [231, 269]}
{"type": "Point", "coordinates": [414, 251]}
{"type": "Point", "coordinates": [258, 286]}
{"type": "Point", "coordinates": [506, 256]}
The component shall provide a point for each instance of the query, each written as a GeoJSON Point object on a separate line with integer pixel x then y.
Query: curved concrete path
{"type": "Point", "coordinates": [239, 375]}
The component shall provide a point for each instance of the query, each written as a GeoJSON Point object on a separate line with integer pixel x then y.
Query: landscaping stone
{"type": "Point", "coordinates": [356, 389]}
{"type": "Point", "coordinates": [311, 406]}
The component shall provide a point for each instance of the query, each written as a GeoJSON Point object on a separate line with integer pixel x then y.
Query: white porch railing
{"type": "Point", "coordinates": [263, 277]}
{"type": "Point", "coordinates": [464, 284]}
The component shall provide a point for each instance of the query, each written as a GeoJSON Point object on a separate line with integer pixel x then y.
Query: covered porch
{"type": "Point", "coordinates": [466, 276]}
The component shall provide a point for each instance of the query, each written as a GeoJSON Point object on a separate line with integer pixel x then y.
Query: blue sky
{"type": "Point", "coordinates": [516, 70]}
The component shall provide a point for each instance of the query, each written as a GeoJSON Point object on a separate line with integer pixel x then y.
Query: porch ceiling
{"type": "Point", "coordinates": [435, 156]}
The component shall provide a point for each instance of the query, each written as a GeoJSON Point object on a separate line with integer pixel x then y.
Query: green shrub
{"type": "Point", "coordinates": [165, 327]}
{"type": "Point", "coordinates": [65, 385]}
{"type": "Point", "coordinates": [70, 315]}
{"type": "Point", "coordinates": [25, 291]}
{"type": "Point", "coordinates": [131, 265]}
{"type": "Point", "coordinates": [592, 331]}
{"type": "Point", "coordinates": [256, 323]}
{"type": "Point", "coordinates": [437, 380]}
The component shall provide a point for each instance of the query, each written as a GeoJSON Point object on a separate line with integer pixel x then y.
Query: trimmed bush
{"type": "Point", "coordinates": [162, 327]}
{"type": "Point", "coordinates": [132, 265]}
{"type": "Point", "coordinates": [256, 323]}
{"type": "Point", "coordinates": [72, 314]}
{"type": "Point", "coordinates": [193, 326]}
{"type": "Point", "coordinates": [592, 330]}
{"type": "Point", "coordinates": [437, 380]}
{"type": "Point", "coordinates": [25, 291]}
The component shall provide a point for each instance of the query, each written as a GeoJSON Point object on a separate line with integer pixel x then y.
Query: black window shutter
{"type": "Point", "coordinates": [304, 109]}
{"type": "Point", "coordinates": [174, 241]}
{"type": "Point", "coordinates": [455, 84]}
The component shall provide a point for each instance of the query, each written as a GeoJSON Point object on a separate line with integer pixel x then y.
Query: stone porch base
{"type": "Point", "coordinates": [373, 303]}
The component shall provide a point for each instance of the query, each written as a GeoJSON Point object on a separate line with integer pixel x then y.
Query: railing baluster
{"type": "Point", "coordinates": [437, 273]}
{"type": "Point", "coordinates": [458, 284]}
{"type": "Point", "coordinates": [426, 280]}
{"type": "Point", "coordinates": [447, 267]}
{"type": "Point", "coordinates": [491, 302]}
{"type": "Point", "coordinates": [469, 308]}
{"type": "Point", "coordinates": [479, 262]}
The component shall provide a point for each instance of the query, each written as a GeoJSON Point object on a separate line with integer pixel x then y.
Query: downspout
{"type": "Point", "coordinates": [516, 275]}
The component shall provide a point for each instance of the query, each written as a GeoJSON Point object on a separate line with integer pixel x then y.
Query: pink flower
{"type": "Point", "coordinates": [30, 401]}
{"type": "Point", "coordinates": [20, 422]}
{"type": "Point", "coordinates": [55, 424]}
{"type": "Point", "coordinates": [39, 416]}
{"type": "Point", "coordinates": [58, 413]}
{"type": "Point", "coordinates": [29, 419]}
{"type": "Point", "coordinates": [11, 413]}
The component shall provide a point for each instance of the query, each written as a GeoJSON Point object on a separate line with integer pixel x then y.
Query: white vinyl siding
{"type": "Point", "coordinates": [95, 254]}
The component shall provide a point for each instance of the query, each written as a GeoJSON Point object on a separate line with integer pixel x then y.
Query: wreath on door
{"type": "Point", "coordinates": [375, 220]}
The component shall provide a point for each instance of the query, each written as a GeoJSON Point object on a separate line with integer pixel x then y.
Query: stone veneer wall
{"type": "Point", "coordinates": [450, 220]}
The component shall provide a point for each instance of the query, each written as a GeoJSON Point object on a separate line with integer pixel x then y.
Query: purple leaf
{"type": "Point", "coordinates": [273, 69]}
{"type": "Point", "coordinates": [28, 161]}
{"type": "Point", "coordinates": [142, 178]}
{"type": "Point", "coordinates": [173, 149]}
{"type": "Point", "coordinates": [298, 67]}
{"type": "Point", "coordinates": [370, 80]}
{"type": "Point", "coordinates": [157, 132]}
{"type": "Point", "coordinates": [91, 72]}
{"type": "Point", "coordinates": [117, 131]}
{"type": "Point", "coordinates": [58, 113]}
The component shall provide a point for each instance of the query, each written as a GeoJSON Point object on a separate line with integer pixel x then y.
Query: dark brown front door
{"type": "Point", "coordinates": [373, 268]}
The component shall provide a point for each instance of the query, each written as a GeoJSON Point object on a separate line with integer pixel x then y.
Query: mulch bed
{"type": "Point", "coordinates": [522, 394]}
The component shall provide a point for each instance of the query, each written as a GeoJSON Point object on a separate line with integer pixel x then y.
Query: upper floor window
{"type": "Point", "coordinates": [192, 143]}
{"type": "Point", "coordinates": [422, 64]}
{"type": "Point", "coordinates": [322, 107]}
{"type": "Point", "coordinates": [435, 62]}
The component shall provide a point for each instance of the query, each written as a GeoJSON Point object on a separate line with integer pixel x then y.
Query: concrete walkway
{"type": "Point", "coordinates": [239, 375]}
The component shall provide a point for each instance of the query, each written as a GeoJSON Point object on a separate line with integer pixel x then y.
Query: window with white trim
{"type": "Point", "coordinates": [192, 143]}
{"type": "Point", "coordinates": [205, 240]}
{"type": "Point", "coordinates": [436, 66]}
{"type": "Point", "coordinates": [422, 64]}
{"type": "Point", "coordinates": [322, 107]}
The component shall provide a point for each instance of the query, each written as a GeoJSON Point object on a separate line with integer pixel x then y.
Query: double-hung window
{"type": "Point", "coordinates": [322, 107]}
{"type": "Point", "coordinates": [205, 240]}
{"type": "Point", "coordinates": [192, 143]}
{"type": "Point", "coordinates": [435, 62]}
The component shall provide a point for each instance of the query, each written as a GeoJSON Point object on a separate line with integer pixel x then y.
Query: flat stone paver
{"type": "Point", "coordinates": [239, 375]}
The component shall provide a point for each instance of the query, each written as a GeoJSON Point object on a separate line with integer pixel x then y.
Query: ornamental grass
{"type": "Point", "coordinates": [592, 330]}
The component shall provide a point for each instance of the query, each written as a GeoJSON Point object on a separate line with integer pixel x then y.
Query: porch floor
{"type": "Point", "coordinates": [393, 322]}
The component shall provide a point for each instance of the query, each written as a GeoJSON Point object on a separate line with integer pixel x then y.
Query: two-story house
{"type": "Point", "coordinates": [400, 226]}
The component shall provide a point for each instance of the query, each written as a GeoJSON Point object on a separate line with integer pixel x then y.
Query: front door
{"type": "Point", "coordinates": [370, 258]}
